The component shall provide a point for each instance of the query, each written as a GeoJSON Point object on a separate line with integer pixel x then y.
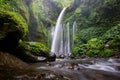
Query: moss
{"type": "Point", "coordinates": [35, 48]}
{"type": "Point", "coordinates": [12, 28]}
{"type": "Point", "coordinates": [11, 21]}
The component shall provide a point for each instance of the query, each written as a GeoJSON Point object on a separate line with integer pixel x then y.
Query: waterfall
{"type": "Point", "coordinates": [74, 30]}
{"type": "Point", "coordinates": [52, 34]}
{"type": "Point", "coordinates": [61, 37]}
{"type": "Point", "coordinates": [57, 33]}
{"type": "Point", "coordinates": [68, 39]}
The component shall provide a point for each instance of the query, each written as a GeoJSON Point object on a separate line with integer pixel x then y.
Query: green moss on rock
{"type": "Point", "coordinates": [12, 28]}
{"type": "Point", "coordinates": [11, 21]}
{"type": "Point", "coordinates": [34, 48]}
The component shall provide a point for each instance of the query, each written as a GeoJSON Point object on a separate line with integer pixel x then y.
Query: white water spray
{"type": "Point", "coordinates": [74, 30]}
{"type": "Point", "coordinates": [56, 39]}
{"type": "Point", "coordinates": [68, 42]}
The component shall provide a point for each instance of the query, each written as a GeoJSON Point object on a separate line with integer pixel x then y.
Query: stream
{"type": "Point", "coordinates": [84, 69]}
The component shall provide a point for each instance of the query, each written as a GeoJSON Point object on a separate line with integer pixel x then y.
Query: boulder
{"type": "Point", "coordinates": [12, 28]}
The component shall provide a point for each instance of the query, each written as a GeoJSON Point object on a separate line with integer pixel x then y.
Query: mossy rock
{"type": "Point", "coordinates": [34, 48]}
{"type": "Point", "coordinates": [29, 51]}
{"type": "Point", "coordinates": [12, 28]}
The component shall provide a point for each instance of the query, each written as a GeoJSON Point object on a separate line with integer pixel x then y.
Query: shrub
{"type": "Point", "coordinates": [92, 32]}
{"type": "Point", "coordinates": [111, 34]}
{"type": "Point", "coordinates": [107, 53]}
{"type": "Point", "coordinates": [80, 50]}
{"type": "Point", "coordinates": [112, 37]}
{"type": "Point", "coordinates": [94, 48]}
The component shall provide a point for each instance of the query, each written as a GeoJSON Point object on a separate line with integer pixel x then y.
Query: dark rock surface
{"type": "Point", "coordinates": [12, 68]}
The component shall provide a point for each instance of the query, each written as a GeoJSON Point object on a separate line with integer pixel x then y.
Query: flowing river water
{"type": "Point", "coordinates": [84, 69]}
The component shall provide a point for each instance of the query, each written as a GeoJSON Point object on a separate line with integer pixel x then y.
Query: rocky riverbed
{"type": "Point", "coordinates": [12, 68]}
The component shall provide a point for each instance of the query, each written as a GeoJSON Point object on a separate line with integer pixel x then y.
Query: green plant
{"type": "Point", "coordinates": [80, 50]}
{"type": "Point", "coordinates": [93, 52]}
{"type": "Point", "coordinates": [92, 32]}
{"type": "Point", "coordinates": [112, 33]}
{"type": "Point", "coordinates": [107, 53]}
{"type": "Point", "coordinates": [115, 43]}
{"type": "Point", "coordinates": [95, 47]}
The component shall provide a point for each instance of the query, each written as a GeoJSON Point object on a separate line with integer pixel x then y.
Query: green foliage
{"type": "Point", "coordinates": [7, 5]}
{"type": "Point", "coordinates": [93, 17]}
{"type": "Point", "coordinates": [94, 48]}
{"type": "Point", "coordinates": [101, 13]}
{"type": "Point", "coordinates": [17, 6]}
{"type": "Point", "coordinates": [92, 32]}
{"type": "Point", "coordinates": [41, 14]}
{"type": "Point", "coordinates": [112, 33]}
{"type": "Point", "coordinates": [112, 38]}
{"type": "Point", "coordinates": [75, 51]}
{"type": "Point", "coordinates": [33, 47]}
{"type": "Point", "coordinates": [64, 3]}
{"type": "Point", "coordinates": [80, 50]}
{"type": "Point", "coordinates": [105, 46]}
{"type": "Point", "coordinates": [107, 53]}
{"type": "Point", "coordinates": [115, 44]}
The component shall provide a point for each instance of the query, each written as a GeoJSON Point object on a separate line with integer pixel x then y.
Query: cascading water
{"type": "Point", "coordinates": [74, 30]}
{"type": "Point", "coordinates": [68, 41]}
{"type": "Point", "coordinates": [52, 34]}
{"type": "Point", "coordinates": [60, 36]}
{"type": "Point", "coordinates": [57, 33]}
